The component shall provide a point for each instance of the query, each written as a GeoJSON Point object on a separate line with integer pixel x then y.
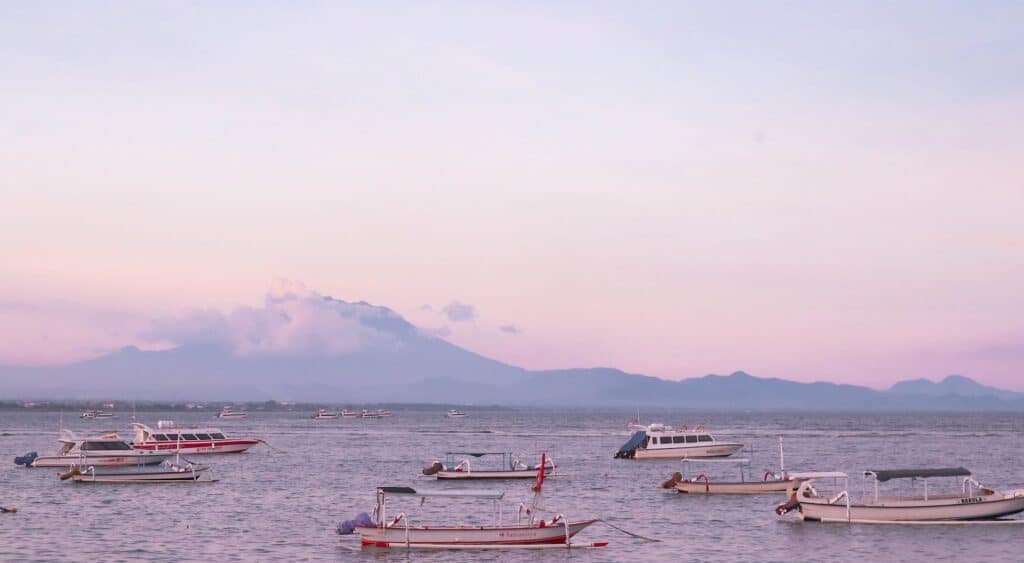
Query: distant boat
{"type": "Point", "coordinates": [230, 412]}
{"type": "Point", "coordinates": [323, 413]}
{"type": "Point", "coordinates": [369, 414]}
{"type": "Point", "coordinates": [96, 414]}
{"type": "Point", "coordinates": [383, 413]}
{"type": "Point", "coordinates": [349, 414]}
{"type": "Point", "coordinates": [454, 413]}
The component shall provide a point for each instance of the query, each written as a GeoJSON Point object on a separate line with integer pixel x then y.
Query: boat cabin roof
{"type": "Point", "coordinates": [739, 460]}
{"type": "Point", "coordinates": [409, 491]}
{"type": "Point", "coordinates": [820, 475]}
{"type": "Point", "coordinates": [887, 474]}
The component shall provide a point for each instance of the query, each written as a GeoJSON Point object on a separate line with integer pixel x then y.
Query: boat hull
{"type": "Point", "coordinates": [738, 488]}
{"type": "Point", "coordinates": [199, 447]}
{"type": "Point", "coordinates": [956, 508]}
{"type": "Point", "coordinates": [721, 449]}
{"type": "Point", "coordinates": [454, 537]}
{"type": "Point", "coordinates": [120, 460]}
{"type": "Point", "coordinates": [466, 475]}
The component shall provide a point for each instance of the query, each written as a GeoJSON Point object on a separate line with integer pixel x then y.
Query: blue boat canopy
{"type": "Point", "coordinates": [628, 450]}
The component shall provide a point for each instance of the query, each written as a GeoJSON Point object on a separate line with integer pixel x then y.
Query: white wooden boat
{"type": "Point", "coordinates": [707, 482]}
{"type": "Point", "coordinates": [187, 439]}
{"type": "Point", "coordinates": [322, 414]}
{"type": "Point", "coordinates": [455, 413]}
{"type": "Point", "coordinates": [922, 504]}
{"type": "Point", "coordinates": [464, 466]}
{"type": "Point", "coordinates": [166, 472]}
{"type": "Point", "coordinates": [657, 441]}
{"type": "Point", "coordinates": [107, 450]}
{"type": "Point", "coordinates": [397, 532]}
{"type": "Point", "coordinates": [231, 413]}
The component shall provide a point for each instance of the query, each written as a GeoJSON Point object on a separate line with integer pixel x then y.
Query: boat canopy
{"type": "Point", "coordinates": [629, 448]}
{"type": "Point", "coordinates": [741, 460]}
{"type": "Point", "coordinates": [482, 493]}
{"type": "Point", "coordinates": [819, 475]}
{"type": "Point", "coordinates": [886, 474]}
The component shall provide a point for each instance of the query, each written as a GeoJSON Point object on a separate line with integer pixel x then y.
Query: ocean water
{"type": "Point", "coordinates": [283, 503]}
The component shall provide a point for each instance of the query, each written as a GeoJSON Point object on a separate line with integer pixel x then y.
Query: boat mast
{"type": "Point", "coordinates": [782, 460]}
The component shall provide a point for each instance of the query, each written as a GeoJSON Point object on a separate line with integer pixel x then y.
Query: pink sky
{"type": "Point", "coordinates": [829, 193]}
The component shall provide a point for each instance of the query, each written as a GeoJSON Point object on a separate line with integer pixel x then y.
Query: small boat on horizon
{"type": "Point", "coordinates": [231, 413]}
{"type": "Point", "coordinates": [97, 415]}
{"type": "Point", "coordinates": [657, 441]}
{"type": "Point", "coordinates": [324, 414]}
{"type": "Point", "coordinates": [455, 413]}
{"type": "Point", "coordinates": [349, 414]}
{"type": "Point", "coordinates": [968, 499]}
{"type": "Point", "coordinates": [458, 465]}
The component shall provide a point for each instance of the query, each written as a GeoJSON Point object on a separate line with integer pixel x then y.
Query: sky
{"type": "Point", "coordinates": [807, 190]}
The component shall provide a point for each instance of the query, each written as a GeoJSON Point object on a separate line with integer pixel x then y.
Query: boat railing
{"type": "Point", "coordinates": [969, 485]}
{"type": "Point", "coordinates": [401, 517]}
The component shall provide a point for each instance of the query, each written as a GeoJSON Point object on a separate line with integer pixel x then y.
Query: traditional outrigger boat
{"type": "Point", "coordinates": [748, 483]}
{"type": "Point", "coordinates": [166, 472]}
{"type": "Point", "coordinates": [657, 441]}
{"type": "Point", "coordinates": [460, 465]}
{"type": "Point", "coordinates": [971, 501]}
{"type": "Point", "coordinates": [107, 450]}
{"type": "Point", "coordinates": [528, 533]}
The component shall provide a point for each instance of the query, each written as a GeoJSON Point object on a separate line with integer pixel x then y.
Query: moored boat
{"type": "Point", "coordinates": [968, 500]}
{"type": "Point", "coordinates": [97, 415]}
{"type": "Point", "coordinates": [455, 413]}
{"type": "Point", "coordinates": [657, 441]}
{"type": "Point", "coordinates": [324, 414]}
{"type": "Point", "coordinates": [460, 465]}
{"type": "Point", "coordinates": [709, 482]}
{"type": "Point", "coordinates": [107, 450]}
{"type": "Point", "coordinates": [165, 472]}
{"type": "Point", "coordinates": [188, 440]}
{"type": "Point", "coordinates": [349, 414]}
{"type": "Point", "coordinates": [381, 531]}
{"type": "Point", "coordinates": [231, 413]}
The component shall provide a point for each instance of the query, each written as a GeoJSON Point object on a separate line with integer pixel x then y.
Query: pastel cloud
{"type": "Point", "coordinates": [510, 329]}
{"type": "Point", "coordinates": [458, 312]}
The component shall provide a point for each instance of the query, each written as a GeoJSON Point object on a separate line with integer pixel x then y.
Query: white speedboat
{"type": "Point", "coordinates": [968, 500]}
{"type": "Point", "coordinates": [455, 413]}
{"type": "Point", "coordinates": [349, 414]}
{"type": "Point", "coordinates": [369, 414]}
{"type": "Point", "coordinates": [380, 531]}
{"type": "Point", "coordinates": [709, 482]}
{"type": "Point", "coordinates": [657, 441]}
{"type": "Point", "coordinates": [188, 440]}
{"type": "Point", "coordinates": [324, 414]}
{"type": "Point", "coordinates": [231, 413]}
{"type": "Point", "coordinates": [108, 450]}
{"type": "Point", "coordinates": [464, 466]}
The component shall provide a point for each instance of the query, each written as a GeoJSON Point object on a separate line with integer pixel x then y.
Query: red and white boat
{"type": "Point", "coordinates": [187, 439]}
{"type": "Point", "coordinates": [396, 532]}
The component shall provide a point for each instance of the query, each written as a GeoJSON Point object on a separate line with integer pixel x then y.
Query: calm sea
{"type": "Point", "coordinates": [283, 503]}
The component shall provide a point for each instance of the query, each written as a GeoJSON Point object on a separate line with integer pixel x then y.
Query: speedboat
{"type": "Point", "coordinates": [369, 414]}
{"type": "Point", "coordinates": [230, 413]}
{"type": "Point", "coordinates": [967, 500]}
{"type": "Point", "coordinates": [657, 441]}
{"type": "Point", "coordinates": [458, 465]}
{"type": "Point", "coordinates": [349, 414]}
{"type": "Point", "coordinates": [96, 415]}
{"type": "Point", "coordinates": [748, 483]}
{"type": "Point", "coordinates": [322, 413]}
{"type": "Point", "coordinates": [166, 472]}
{"type": "Point", "coordinates": [381, 413]}
{"type": "Point", "coordinates": [382, 531]}
{"type": "Point", "coordinates": [108, 450]}
{"type": "Point", "coordinates": [188, 440]}
{"type": "Point", "coordinates": [454, 413]}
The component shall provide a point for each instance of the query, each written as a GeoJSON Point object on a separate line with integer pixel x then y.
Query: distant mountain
{"type": "Point", "coordinates": [956, 385]}
{"type": "Point", "coordinates": [356, 352]}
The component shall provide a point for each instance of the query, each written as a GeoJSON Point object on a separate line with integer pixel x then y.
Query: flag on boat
{"type": "Point", "coordinates": [540, 473]}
